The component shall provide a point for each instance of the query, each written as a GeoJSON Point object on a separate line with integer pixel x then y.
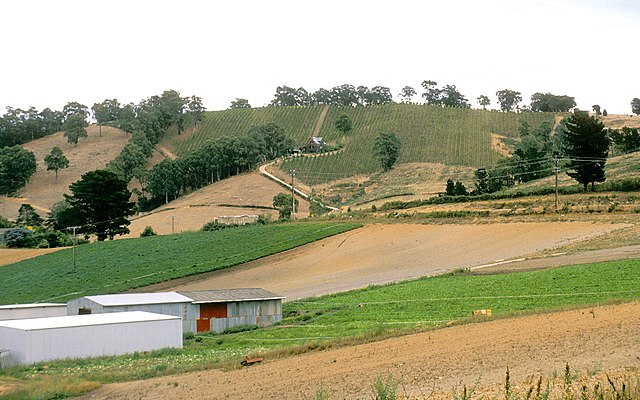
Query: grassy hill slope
{"type": "Point", "coordinates": [450, 136]}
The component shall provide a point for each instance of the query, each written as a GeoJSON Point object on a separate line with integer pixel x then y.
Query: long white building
{"type": "Point", "coordinates": [28, 341]}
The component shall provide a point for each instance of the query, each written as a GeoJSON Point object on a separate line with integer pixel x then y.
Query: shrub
{"type": "Point", "coordinates": [148, 231]}
{"type": "Point", "coordinates": [20, 238]}
{"type": "Point", "coordinates": [5, 223]}
{"type": "Point", "coordinates": [215, 226]}
{"type": "Point", "coordinates": [240, 328]}
{"type": "Point", "coordinates": [385, 389]}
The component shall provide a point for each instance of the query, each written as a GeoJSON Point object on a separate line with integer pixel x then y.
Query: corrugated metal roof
{"type": "Point", "coordinates": [84, 320]}
{"type": "Point", "coordinates": [224, 295]}
{"type": "Point", "coordinates": [138, 298]}
{"type": "Point", "coordinates": [34, 305]}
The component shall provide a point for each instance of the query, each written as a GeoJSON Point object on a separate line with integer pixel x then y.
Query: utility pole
{"type": "Point", "coordinates": [74, 247]}
{"type": "Point", "coordinates": [556, 170]}
{"type": "Point", "coordinates": [293, 197]}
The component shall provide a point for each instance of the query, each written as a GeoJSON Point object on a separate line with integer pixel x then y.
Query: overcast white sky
{"type": "Point", "coordinates": [87, 51]}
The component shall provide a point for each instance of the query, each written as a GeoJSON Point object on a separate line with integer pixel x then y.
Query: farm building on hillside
{"type": "Point", "coordinates": [314, 145]}
{"type": "Point", "coordinates": [169, 303]}
{"type": "Point", "coordinates": [237, 219]}
{"type": "Point", "coordinates": [28, 341]}
{"type": "Point", "coordinates": [200, 310]}
{"type": "Point", "coordinates": [224, 308]}
{"type": "Point", "coordinates": [37, 310]}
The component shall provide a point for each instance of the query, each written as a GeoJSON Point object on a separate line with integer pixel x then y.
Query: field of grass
{"type": "Point", "coordinates": [119, 265]}
{"type": "Point", "coordinates": [451, 136]}
{"type": "Point", "coordinates": [362, 315]}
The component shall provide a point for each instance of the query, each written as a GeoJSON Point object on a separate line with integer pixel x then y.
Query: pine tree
{"type": "Point", "coordinates": [587, 145]}
{"type": "Point", "coordinates": [100, 203]}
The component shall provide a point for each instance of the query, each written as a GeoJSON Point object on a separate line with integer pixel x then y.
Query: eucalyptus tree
{"type": "Point", "coordinates": [56, 160]}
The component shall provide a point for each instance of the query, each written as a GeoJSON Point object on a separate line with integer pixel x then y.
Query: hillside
{"type": "Point", "coordinates": [91, 153]}
{"type": "Point", "coordinates": [233, 196]}
{"type": "Point", "coordinates": [451, 136]}
{"type": "Point", "coordinates": [297, 122]}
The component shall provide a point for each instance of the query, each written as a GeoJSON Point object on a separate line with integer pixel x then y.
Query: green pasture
{"type": "Point", "coordinates": [119, 265]}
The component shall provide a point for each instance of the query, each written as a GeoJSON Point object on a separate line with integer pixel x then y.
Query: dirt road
{"type": "Point", "coordinates": [377, 254]}
{"type": "Point", "coordinates": [595, 339]}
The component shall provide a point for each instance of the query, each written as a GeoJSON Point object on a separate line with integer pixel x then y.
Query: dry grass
{"type": "Point", "coordinates": [91, 153]}
{"type": "Point", "coordinates": [48, 387]}
{"type": "Point", "coordinates": [617, 121]}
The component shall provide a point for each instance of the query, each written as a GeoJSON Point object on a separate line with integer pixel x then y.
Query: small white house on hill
{"type": "Point", "coordinates": [200, 310]}
{"type": "Point", "coordinates": [28, 341]}
{"type": "Point", "coordinates": [37, 310]}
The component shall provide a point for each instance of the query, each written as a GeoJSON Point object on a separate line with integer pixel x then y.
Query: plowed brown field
{"type": "Point", "coordinates": [594, 340]}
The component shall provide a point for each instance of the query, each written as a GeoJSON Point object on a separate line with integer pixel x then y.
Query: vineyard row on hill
{"type": "Point", "coordinates": [452, 136]}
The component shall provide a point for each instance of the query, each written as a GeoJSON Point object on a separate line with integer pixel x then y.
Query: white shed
{"type": "Point", "coordinates": [200, 310]}
{"type": "Point", "coordinates": [80, 336]}
{"type": "Point", "coordinates": [168, 303]}
{"type": "Point", "coordinates": [37, 310]}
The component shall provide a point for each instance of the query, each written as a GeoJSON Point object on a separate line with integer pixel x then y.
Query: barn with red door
{"type": "Point", "coordinates": [220, 309]}
{"type": "Point", "coordinates": [200, 310]}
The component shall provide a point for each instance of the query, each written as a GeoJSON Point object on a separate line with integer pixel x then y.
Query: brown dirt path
{"type": "Point", "coordinates": [593, 339]}
{"type": "Point", "coordinates": [378, 254]}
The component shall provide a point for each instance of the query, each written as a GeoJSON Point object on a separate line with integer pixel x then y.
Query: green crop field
{"type": "Point", "coordinates": [115, 266]}
{"type": "Point", "coordinates": [451, 136]}
{"type": "Point", "coordinates": [298, 123]}
{"type": "Point", "coordinates": [369, 313]}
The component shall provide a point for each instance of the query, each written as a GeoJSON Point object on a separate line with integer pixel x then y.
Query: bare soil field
{"type": "Point", "coordinates": [9, 256]}
{"type": "Point", "coordinates": [191, 212]}
{"type": "Point", "coordinates": [91, 153]}
{"type": "Point", "coordinates": [429, 365]}
{"type": "Point", "coordinates": [383, 253]}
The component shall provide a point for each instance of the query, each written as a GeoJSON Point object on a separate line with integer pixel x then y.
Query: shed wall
{"type": "Point", "coordinates": [14, 341]}
{"type": "Point", "coordinates": [261, 313]}
{"type": "Point", "coordinates": [186, 311]}
{"type": "Point", "coordinates": [28, 347]}
{"type": "Point", "coordinates": [75, 305]}
{"type": "Point", "coordinates": [33, 312]}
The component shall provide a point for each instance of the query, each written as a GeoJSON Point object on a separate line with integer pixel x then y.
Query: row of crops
{"type": "Point", "coordinates": [297, 122]}
{"type": "Point", "coordinates": [452, 136]}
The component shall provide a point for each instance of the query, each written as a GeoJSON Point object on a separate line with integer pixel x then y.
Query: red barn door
{"type": "Point", "coordinates": [208, 311]}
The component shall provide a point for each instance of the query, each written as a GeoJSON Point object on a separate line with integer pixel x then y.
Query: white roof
{"type": "Point", "coordinates": [139, 298]}
{"type": "Point", "coordinates": [34, 305]}
{"type": "Point", "coordinates": [84, 320]}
